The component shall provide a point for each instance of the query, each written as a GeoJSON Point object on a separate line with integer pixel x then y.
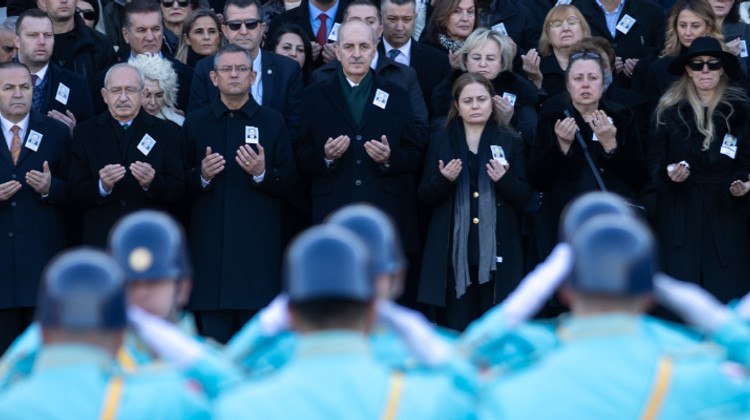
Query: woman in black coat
{"type": "Point", "coordinates": [474, 179]}
{"type": "Point", "coordinates": [490, 54]}
{"type": "Point", "coordinates": [700, 167]}
{"type": "Point", "coordinates": [558, 167]}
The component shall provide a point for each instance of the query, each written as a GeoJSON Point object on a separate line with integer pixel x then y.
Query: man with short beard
{"type": "Point", "coordinates": [58, 93]}
{"type": "Point", "coordinates": [123, 159]}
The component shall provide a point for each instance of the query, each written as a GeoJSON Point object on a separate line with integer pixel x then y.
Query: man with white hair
{"type": "Point", "coordinates": [123, 159]}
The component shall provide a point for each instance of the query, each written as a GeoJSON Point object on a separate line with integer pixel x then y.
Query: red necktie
{"type": "Point", "coordinates": [322, 31]}
{"type": "Point", "coordinates": [15, 144]}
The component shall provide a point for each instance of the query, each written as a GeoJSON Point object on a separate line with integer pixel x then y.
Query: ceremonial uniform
{"type": "Point", "coordinates": [82, 382]}
{"type": "Point", "coordinates": [330, 365]}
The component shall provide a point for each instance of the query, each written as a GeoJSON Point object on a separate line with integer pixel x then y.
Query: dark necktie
{"type": "Point", "coordinates": [392, 54]}
{"type": "Point", "coordinates": [322, 31]}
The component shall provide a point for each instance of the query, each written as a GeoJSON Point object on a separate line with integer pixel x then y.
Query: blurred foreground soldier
{"type": "Point", "coordinates": [333, 374]}
{"type": "Point", "coordinates": [124, 159]}
{"type": "Point", "coordinates": [82, 314]}
{"type": "Point", "coordinates": [239, 162]}
{"type": "Point", "coordinates": [610, 360]}
{"type": "Point", "coordinates": [33, 171]}
{"type": "Point", "coordinates": [401, 338]}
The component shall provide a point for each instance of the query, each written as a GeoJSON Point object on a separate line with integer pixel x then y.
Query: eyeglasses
{"type": "Point", "coordinates": [250, 24]}
{"type": "Point", "coordinates": [239, 68]}
{"type": "Point", "coordinates": [170, 3]}
{"type": "Point", "coordinates": [557, 24]}
{"type": "Point", "coordinates": [88, 14]}
{"type": "Point", "coordinates": [576, 56]}
{"type": "Point", "coordinates": [128, 91]}
{"type": "Point", "coordinates": [713, 64]}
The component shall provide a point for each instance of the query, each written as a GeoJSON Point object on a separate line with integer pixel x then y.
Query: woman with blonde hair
{"type": "Point", "coordinates": [687, 21]}
{"type": "Point", "coordinates": [489, 53]}
{"type": "Point", "coordinates": [160, 90]}
{"type": "Point", "coordinates": [563, 27]}
{"type": "Point", "coordinates": [699, 160]}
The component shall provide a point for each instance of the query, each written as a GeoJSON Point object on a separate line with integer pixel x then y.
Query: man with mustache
{"type": "Point", "coordinates": [123, 159]}
{"type": "Point", "coordinates": [358, 140]}
{"type": "Point", "coordinates": [58, 93]}
{"type": "Point", "coordinates": [33, 169]}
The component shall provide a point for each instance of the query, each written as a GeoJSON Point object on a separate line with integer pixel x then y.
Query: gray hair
{"type": "Point", "coordinates": [232, 48]}
{"type": "Point", "coordinates": [122, 65]}
{"type": "Point", "coordinates": [478, 38]}
{"type": "Point", "coordinates": [352, 21]}
{"type": "Point", "coordinates": [160, 70]}
{"type": "Point", "coordinates": [9, 24]}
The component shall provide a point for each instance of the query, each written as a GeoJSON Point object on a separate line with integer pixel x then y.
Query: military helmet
{"type": "Point", "coordinates": [589, 205]}
{"type": "Point", "coordinates": [328, 262]}
{"type": "Point", "coordinates": [613, 255]}
{"type": "Point", "coordinates": [83, 290]}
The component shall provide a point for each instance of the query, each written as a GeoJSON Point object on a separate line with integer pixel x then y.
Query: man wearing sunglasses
{"type": "Point", "coordinates": [143, 32]}
{"type": "Point", "coordinates": [278, 81]}
{"type": "Point", "coordinates": [58, 93]}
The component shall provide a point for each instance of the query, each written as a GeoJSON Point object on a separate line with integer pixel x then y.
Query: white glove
{"type": "Point", "coordinates": [695, 305]}
{"type": "Point", "coordinates": [274, 318]}
{"type": "Point", "coordinates": [538, 286]}
{"type": "Point", "coordinates": [416, 331]}
{"type": "Point", "coordinates": [743, 308]}
{"type": "Point", "coordinates": [166, 340]}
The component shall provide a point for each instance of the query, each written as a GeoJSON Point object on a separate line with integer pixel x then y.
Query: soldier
{"type": "Point", "coordinates": [333, 374]}
{"type": "Point", "coordinates": [83, 319]}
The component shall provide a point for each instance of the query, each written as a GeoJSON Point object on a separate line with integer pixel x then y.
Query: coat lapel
{"type": "Point", "coordinates": [268, 77]}
{"type": "Point", "coordinates": [36, 123]}
{"type": "Point", "coordinates": [332, 90]}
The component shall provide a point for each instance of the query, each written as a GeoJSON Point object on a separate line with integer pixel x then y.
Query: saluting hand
{"type": "Point", "coordinates": [379, 151]}
{"type": "Point", "coordinates": [451, 170]}
{"type": "Point", "coordinates": [253, 163]}
{"type": "Point", "coordinates": [143, 172]}
{"type": "Point", "coordinates": [40, 181]}
{"type": "Point", "coordinates": [8, 189]}
{"type": "Point", "coordinates": [110, 175]}
{"type": "Point", "coordinates": [212, 164]}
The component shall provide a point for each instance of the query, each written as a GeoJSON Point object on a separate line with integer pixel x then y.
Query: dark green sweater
{"type": "Point", "coordinates": [356, 97]}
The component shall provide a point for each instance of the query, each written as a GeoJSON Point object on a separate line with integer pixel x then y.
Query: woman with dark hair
{"type": "Point", "coordinates": [558, 166]}
{"type": "Point", "coordinates": [562, 28]}
{"type": "Point", "coordinates": [736, 32]}
{"type": "Point", "coordinates": [200, 37]}
{"type": "Point", "coordinates": [89, 12]}
{"type": "Point", "coordinates": [687, 21]}
{"type": "Point", "coordinates": [699, 160]}
{"type": "Point", "coordinates": [291, 41]}
{"type": "Point", "coordinates": [451, 23]}
{"type": "Point", "coordinates": [474, 179]}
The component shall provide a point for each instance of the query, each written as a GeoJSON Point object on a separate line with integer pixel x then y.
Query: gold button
{"type": "Point", "coordinates": [475, 195]}
{"type": "Point", "coordinates": [476, 220]}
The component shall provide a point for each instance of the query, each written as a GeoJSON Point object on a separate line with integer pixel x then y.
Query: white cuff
{"type": "Point", "coordinates": [101, 190]}
{"type": "Point", "coordinates": [258, 179]}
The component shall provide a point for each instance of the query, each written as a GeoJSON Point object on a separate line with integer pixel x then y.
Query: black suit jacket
{"type": "Point", "coordinates": [300, 16]}
{"type": "Point", "coordinates": [101, 141]}
{"type": "Point", "coordinates": [355, 176]}
{"type": "Point", "coordinates": [398, 74]}
{"type": "Point", "coordinates": [431, 66]}
{"type": "Point", "coordinates": [79, 102]}
{"type": "Point", "coordinates": [32, 228]}
{"type": "Point", "coordinates": [282, 87]}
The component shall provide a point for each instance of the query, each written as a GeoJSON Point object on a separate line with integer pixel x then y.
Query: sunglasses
{"type": "Point", "coordinates": [88, 14]}
{"type": "Point", "coordinates": [181, 3]}
{"type": "Point", "coordinates": [713, 64]}
{"type": "Point", "coordinates": [250, 24]}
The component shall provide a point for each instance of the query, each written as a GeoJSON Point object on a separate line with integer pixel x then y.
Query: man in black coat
{"type": "Point", "coordinates": [431, 66]}
{"type": "Point", "coordinates": [123, 159]}
{"type": "Point", "coordinates": [635, 28]}
{"type": "Point", "coordinates": [308, 17]}
{"type": "Point", "coordinates": [398, 74]}
{"type": "Point", "coordinates": [58, 93]}
{"type": "Point", "coordinates": [239, 163]}
{"type": "Point", "coordinates": [278, 81]}
{"type": "Point", "coordinates": [358, 141]}
{"type": "Point", "coordinates": [33, 167]}
{"type": "Point", "coordinates": [78, 48]}
{"type": "Point", "coordinates": [142, 31]}
{"type": "Point", "coordinates": [514, 19]}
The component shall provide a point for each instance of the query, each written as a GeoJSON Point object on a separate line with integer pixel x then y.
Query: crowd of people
{"type": "Point", "coordinates": [472, 124]}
